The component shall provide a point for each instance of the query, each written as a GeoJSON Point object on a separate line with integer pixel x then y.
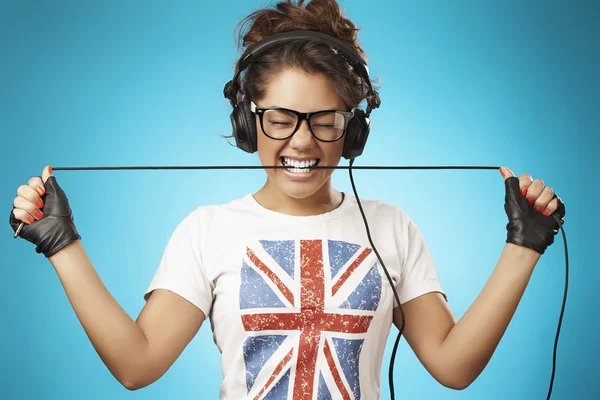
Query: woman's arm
{"type": "Point", "coordinates": [137, 353]}
{"type": "Point", "coordinates": [455, 353]}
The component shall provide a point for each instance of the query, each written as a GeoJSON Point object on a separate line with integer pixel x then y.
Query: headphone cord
{"type": "Point", "coordinates": [350, 168]}
{"type": "Point", "coordinates": [391, 371]}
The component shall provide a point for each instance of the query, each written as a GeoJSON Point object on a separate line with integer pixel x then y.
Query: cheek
{"type": "Point", "coordinates": [333, 151]}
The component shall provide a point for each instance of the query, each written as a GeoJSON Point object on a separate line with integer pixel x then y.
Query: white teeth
{"type": "Point", "coordinates": [298, 170]}
{"type": "Point", "coordinates": [298, 165]}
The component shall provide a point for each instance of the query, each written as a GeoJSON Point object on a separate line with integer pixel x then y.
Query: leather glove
{"type": "Point", "coordinates": [526, 226]}
{"type": "Point", "coordinates": [57, 229]}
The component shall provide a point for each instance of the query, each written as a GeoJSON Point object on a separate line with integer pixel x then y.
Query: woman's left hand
{"type": "Point", "coordinates": [529, 205]}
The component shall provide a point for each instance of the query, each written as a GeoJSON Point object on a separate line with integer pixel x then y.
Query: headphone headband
{"type": "Point", "coordinates": [269, 42]}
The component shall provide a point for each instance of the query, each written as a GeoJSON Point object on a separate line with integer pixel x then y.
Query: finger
{"type": "Point", "coordinates": [37, 184]}
{"type": "Point", "coordinates": [506, 172]}
{"type": "Point", "coordinates": [551, 207]}
{"type": "Point", "coordinates": [46, 173]}
{"type": "Point", "coordinates": [544, 199]}
{"type": "Point", "coordinates": [26, 205]}
{"type": "Point", "coordinates": [561, 210]}
{"type": "Point", "coordinates": [525, 181]}
{"type": "Point", "coordinates": [534, 190]}
{"type": "Point", "coordinates": [29, 194]}
{"type": "Point", "coordinates": [555, 206]}
{"type": "Point", "coordinates": [23, 216]}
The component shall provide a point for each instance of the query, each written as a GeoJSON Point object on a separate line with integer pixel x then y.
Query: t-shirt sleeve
{"type": "Point", "coordinates": [181, 270]}
{"type": "Point", "coordinates": [418, 274]}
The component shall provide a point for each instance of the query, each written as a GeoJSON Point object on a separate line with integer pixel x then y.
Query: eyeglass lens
{"type": "Point", "coordinates": [327, 125]}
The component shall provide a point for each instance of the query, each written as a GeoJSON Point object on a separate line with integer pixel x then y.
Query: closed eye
{"type": "Point", "coordinates": [279, 123]}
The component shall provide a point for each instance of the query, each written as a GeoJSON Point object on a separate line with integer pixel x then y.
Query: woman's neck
{"type": "Point", "coordinates": [326, 199]}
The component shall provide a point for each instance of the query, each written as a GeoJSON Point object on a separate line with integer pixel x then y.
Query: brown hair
{"type": "Point", "coordinates": [311, 57]}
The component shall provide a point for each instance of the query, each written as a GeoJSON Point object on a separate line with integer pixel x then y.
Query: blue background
{"type": "Point", "coordinates": [86, 83]}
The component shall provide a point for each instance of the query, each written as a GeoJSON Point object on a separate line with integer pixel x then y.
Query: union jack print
{"type": "Point", "coordinates": [306, 306]}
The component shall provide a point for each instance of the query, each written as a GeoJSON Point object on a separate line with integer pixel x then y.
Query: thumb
{"type": "Point", "coordinates": [46, 173]}
{"type": "Point", "coordinates": [506, 172]}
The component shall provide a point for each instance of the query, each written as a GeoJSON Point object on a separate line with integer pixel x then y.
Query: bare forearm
{"type": "Point", "coordinates": [118, 340]}
{"type": "Point", "coordinates": [472, 341]}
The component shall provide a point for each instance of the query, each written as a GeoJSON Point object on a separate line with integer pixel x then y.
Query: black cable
{"type": "Point", "coordinates": [371, 167]}
{"type": "Point", "coordinates": [562, 308]}
{"type": "Point", "coordinates": [391, 373]}
{"type": "Point", "coordinates": [350, 167]}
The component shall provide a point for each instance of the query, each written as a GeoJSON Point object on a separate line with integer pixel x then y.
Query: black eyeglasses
{"type": "Point", "coordinates": [281, 123]}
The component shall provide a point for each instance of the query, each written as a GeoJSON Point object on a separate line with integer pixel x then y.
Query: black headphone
{"type": "Point", "coordinates": [243, 120]}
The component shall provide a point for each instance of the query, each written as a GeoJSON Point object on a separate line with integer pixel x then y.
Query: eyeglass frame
{"type": "Point", "coordinates": [301, 116]}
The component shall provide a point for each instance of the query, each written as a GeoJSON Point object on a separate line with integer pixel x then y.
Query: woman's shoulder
{"type": "Point", "coordinates": [207, 212]}
{"type": "Point", "coordinates": [381, 208]}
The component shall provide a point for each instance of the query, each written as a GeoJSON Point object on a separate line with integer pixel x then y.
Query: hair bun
{"type": "Point", "coordinates": [319, 15]}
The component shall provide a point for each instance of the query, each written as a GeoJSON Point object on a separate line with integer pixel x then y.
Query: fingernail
{"type": "Point", "coordinates": [524, 191]}
{"type": "Point", "coordinates": [40, 190]}
{"type": "Point", "coordinates": [38, 214]}
{"type": "Point", "coordinates": [530, 201]}
{"type": "Point", "coordinates": [39, 203]}
{"type": "Point", "coordinates": [538, 208]}
{"type": "Point", "coordinates": [29, 219]}
{"type": "Point", "coordinates": [546, 213]}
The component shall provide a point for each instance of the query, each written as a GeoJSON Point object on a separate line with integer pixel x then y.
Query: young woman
{"type": "Point", "coordinates": [298, 301]}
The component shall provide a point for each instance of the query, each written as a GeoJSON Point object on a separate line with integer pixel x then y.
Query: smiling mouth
{"type": "Point", "coordinates": [299, 167]}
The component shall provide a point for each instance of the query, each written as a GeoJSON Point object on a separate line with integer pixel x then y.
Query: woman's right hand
{"type": "Point", "coordinates": [44, 209]}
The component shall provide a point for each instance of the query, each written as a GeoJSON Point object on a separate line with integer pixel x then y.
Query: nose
{"type": "Point", "coordinates": [302, 140]}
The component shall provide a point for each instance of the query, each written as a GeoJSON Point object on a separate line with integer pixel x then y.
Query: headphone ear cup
{"type": "Point", "coordinates": [357, 133]}
{"type": "Point", "coordinates": [244, 127]}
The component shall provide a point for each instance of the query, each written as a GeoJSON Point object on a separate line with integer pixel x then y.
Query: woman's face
{"type": "Point", "coordinates": [299, 91]}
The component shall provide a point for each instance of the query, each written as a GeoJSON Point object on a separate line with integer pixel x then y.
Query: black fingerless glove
{"type": "Point", "coordinates": [56, 229]}
{"type": "Point", "coordinates": [526, 226]}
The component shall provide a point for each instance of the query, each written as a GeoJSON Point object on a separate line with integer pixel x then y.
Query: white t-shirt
{"type": "Point", "coordinates": [300, 306]}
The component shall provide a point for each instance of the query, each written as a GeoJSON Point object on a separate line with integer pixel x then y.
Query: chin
{"type": "Point", "coordinates": [299, 190]}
